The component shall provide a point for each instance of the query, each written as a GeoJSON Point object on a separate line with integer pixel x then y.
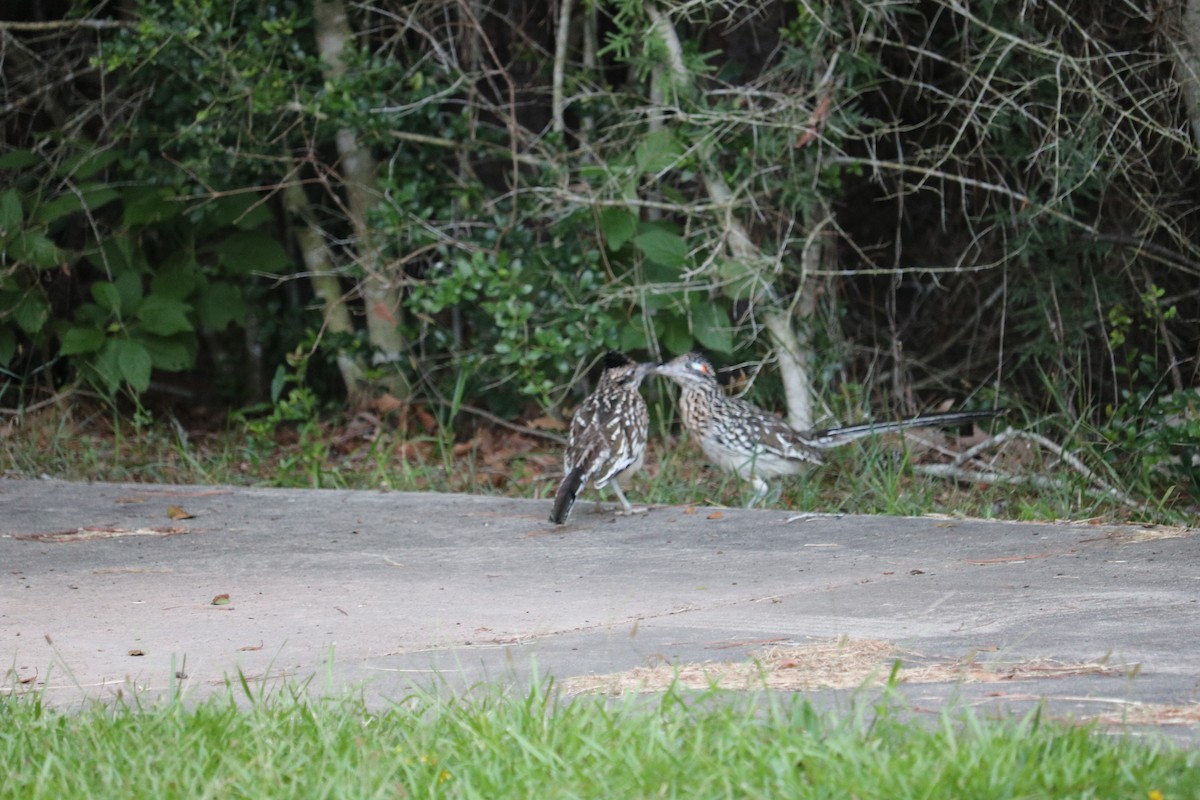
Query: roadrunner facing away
{"type": "Point", "coordinates": [608, 435]}
{"type": "Point", "coordinates": [740, 437]}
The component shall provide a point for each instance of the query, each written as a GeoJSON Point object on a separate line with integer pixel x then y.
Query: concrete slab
{"type": "Point", "coordinates": [101, 591]}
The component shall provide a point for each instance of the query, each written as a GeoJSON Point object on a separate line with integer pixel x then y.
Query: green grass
{"type": "Point", "coordinates": [496, 744]}
{"type": "Point", "coordinates": [865, 478]}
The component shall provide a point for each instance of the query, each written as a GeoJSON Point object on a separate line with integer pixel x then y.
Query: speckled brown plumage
{"type": "Point", "coordinates": [608, 434]}
{"type": "Point", "coordinates": [740, 437]}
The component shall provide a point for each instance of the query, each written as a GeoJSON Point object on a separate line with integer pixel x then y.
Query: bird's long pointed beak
{"type": "Point", "coordinates": [662, 370]}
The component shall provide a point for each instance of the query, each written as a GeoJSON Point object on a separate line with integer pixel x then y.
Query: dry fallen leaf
{"type": "Point", "coordinates": [221, 600]}
{"type": "Point", "coordinates": [424, 419]}
{"type": "Point", "coordinates": [716, 515]}
{"type": "Point", "coordinates": [387, 403]}
{"type": "Point", "coordinates": [547, 423]}
{"type": "Point", "coordinates": [258, 646]}
{"type": "Point", "coordinates": [176, 512]}
{"type": "Point", "coordinates": [137, 652]}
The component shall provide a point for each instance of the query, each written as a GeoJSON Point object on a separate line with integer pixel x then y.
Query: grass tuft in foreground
{"type": "Point", "coordinates": [493, 744]}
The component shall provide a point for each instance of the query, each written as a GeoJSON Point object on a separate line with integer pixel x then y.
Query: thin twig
{"type": "Point", "coordinates": [512, 426]}
{"type": "Point", "coordinates": [49, 401]}
{"type": "Point", "coordinates": [60, 24]}
{"type": "Point", "coordinates": [955, 470]}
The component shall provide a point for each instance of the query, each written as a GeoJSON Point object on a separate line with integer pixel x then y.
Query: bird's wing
{"type": "Point", "coordinates": [769, 434]}
{"type": "Point", "coordinates": [586, 446]}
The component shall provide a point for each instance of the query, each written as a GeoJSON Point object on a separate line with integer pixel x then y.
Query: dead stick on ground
{"type": "Point", "coordinates": [956, 471]}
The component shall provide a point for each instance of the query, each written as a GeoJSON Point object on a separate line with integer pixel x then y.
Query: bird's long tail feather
{"type": "Point", "coordinates": [835, 437]}
{"type": "Point", "coordinates": [571, 484]}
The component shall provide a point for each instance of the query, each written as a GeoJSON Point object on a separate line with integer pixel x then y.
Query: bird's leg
{"type": "Point", "coordinates": [626, 509]}
{"type": "Point", "coordinates": [761, 488]}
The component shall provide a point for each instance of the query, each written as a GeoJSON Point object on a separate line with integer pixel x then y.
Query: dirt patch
{"type": "Point", "coordinates": [91, 533]}
{"type": "Point", "coordinates": [1149, 714]}
{"type": "Point", "coordinates": [830, 664]}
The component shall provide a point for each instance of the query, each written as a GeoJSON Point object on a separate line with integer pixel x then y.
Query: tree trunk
{"type": "Point", "coordinates": [561, 42]}
{"type": "Point", "coordinates": [1186, 47]}
{"type": "Point", "coordinates": [794, 352]}
{"type": "Point", "coordinates": [380, 292]}
{"type": "Point", "coordinates": [318, 263]}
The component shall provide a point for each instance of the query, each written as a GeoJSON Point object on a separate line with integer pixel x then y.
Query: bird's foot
{"type": "Point", "coordinates": [632, 511]}
{"type": "Point", "coordinates": [816, 515]}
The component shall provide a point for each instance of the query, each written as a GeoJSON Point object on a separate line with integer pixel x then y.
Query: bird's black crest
{"type": "Point", "coordinates": [614, 359]}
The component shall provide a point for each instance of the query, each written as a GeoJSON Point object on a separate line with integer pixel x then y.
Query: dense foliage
{"type": "Point", "coordinates": [940, 199]}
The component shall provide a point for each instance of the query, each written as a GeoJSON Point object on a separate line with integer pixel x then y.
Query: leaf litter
{"type": "Point", "coordinates": [828, 664]}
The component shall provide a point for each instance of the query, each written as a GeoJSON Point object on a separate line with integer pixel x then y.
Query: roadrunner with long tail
{"type": "Point", "coordinates": [608, 435]}
{"type": "Point", "coordinates": [740, 437]}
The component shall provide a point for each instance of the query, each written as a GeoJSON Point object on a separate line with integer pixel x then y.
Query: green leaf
{"type": "Point", "coordinates": [710, 324]}
{"type": "Point", "coordinates": [278, 382]}
{"type": "Point", "coordinates": [633, 337]}
{"type": "Point", "coordinates": [90, 315]}
{"type": "Point", "coordinates": [245, 211]}
{"type": "Point", "coordinates": [107, 296]}
{"type": "Point", "coordinates": [87, 164]}
{"type": "Point", "coordinates": [739, 280]}
{"type": "Point", "coordinates": [145, 205]}
{"type": "Point", "coordinates": [81, 340]}
{"type": "Point", "coordinates": [176, 277]}
{"type": "Point", "coordinates": [31, 313]}
{"type": "Point", "coordinates": [17, 159]}
{"type": "Point", "coordinates": [662, 247]}
{"type": "Point", "coordinates": [61, 206]}
{"type": "Point", "coordinates": [243, 252]}
{"type": "Point", "coordinates": [170, 353]}
{"type": "Point", "coordinates": [11, 214]}
{"type": "Point", "coordinates": [657, 273]}
{"type": "Point", "coordinates": [220, 304]}
{"type": "Point", "coordinates": [92, 197]}
{"type": "Point", "coordinates": [163, 315]}
{"type": "Point", "coordinates": [129, 286]}
{"type": "Point", "coordinates": [673, 332]}
{"type": "Point", "coordinates": [113, 256]}
{"type": "Point", "coordinates": [133, 362]}
{"type": "Point", "coordinates": [35, 249]}
{"type": "Point", "coordinates": [259, 214]}
{"type": "Point", "coordinates": [8, 346]}
{"type": "Point", "coordinates": [657, 152]}
{"type": "Point", "coordinates": [108, 371]}
{"type": "Point", "coordinates": [655, 301]}
{"type": "Point", "coordinates": [618, 225]}
{"type": "Point", "coordinates": [98, 195]}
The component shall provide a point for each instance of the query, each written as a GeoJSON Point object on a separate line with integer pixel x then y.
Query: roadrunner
{"type": "Point", "coordinates": [740, 437]}
{"type": "Point", "coordinates": [608, 435]}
